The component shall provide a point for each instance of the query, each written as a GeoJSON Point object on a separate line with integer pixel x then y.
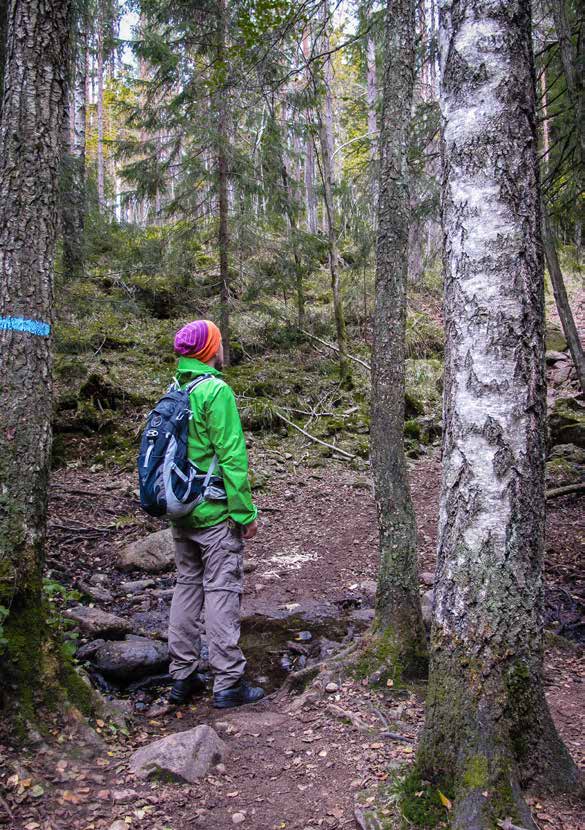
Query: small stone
{"type": "Point", "coordinates": [238, 818]}
{"type": "Point", "coordinates": [100, 580]}
{"type": "Point", "coordinates": [220, 769]}
{"type": "Point", "coordinates": [289, 495]}
{"type": "Point", "coordinates": [118, 825]}
{"type": "Point", "coordinates": [122, 796]}
{"type": "Point", "coordinates": [95, 592]}
{"type": "Point", "coordinates": [136, 586]}
{"type": "Point", "coordinates": [331, 688]}
{"type": "Point", "coordinates": [249, 566]}
{"type": "Point", "coordinates": [427, 578]}
{"type": "Point", "coordinates": [183, 756]}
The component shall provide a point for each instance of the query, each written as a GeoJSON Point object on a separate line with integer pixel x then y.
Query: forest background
{"type": "Point", "coordinates": [222, 160]}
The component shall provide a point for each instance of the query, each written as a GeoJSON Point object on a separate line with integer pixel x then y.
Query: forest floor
{"type": "Point", "coordinates": [294, 762]}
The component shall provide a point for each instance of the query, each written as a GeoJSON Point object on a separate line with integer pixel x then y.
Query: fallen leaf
{"type": "Point", "coordinates": [444, 800]}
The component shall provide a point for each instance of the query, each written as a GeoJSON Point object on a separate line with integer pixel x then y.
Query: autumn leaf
{"type": "Point", "coordinates": [444, 800]}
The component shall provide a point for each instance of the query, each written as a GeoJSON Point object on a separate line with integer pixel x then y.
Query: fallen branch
{"type": "Point", "coordinates": [336, 349]}
{"type": "Point", "coordinates": [566, 491]}
{"type": "Point", "coordinates": [312, 437]}
{"type": "Point", "coordinates": [395, 736]}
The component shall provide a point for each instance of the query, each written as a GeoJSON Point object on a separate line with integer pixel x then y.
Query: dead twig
{"type": "Point", "coordinates": [336, 349]}
{"type": "Point", "coordinates": [308, 435]}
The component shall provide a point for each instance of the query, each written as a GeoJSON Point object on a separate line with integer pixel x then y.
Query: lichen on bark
{"type": "Point", "coordinates": [488, 728]}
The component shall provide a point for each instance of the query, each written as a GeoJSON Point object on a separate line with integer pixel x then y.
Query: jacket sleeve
{"type": "Point", "coordinates": [227, 437]}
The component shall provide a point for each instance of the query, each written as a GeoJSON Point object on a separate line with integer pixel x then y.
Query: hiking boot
{"type": "Point", "coordinates": [237, 695]}
{"type": "Point", "coordinates": [183, 690]}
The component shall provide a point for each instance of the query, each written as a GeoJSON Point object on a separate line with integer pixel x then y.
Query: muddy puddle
{"type": "Point", "coordinates": [274, 646]}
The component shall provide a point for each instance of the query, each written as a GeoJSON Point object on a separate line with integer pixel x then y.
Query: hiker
{"type": "Point", "coordinates": [209, 542]}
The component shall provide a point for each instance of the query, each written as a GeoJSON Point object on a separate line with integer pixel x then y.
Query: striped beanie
{"type": "Point", "coordinates": [200, 339]}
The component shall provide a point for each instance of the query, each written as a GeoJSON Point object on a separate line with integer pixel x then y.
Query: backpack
{"type": "Point", "coordinates": [170, 484]}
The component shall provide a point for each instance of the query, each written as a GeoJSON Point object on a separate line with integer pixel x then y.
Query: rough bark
{"type": "Point", "coordinates": [30, 155]}
{"type": "Point", "coordinates": [328, 178]}
{"type": "Point", "coordinates": [488, 727]}
{"type": "Point", "coordinates": [562, 301]}
{"type": "Point", "coordinates": [74, 185]}
{"type": "Point", "coordinates": [398, 611]}
{"type": "Point", "coordinates": [223, 178]}
{"type": "Point", "coordinates": [3, 18]}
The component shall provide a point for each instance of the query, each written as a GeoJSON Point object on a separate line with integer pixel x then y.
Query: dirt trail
{"type": "Point", "coordinates": [296, 764]}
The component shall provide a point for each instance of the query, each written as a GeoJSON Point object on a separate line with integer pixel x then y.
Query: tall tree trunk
{"type": "Point", "coordinates": [488, 729]}
{"type": "Point", "coordinates": [372, 98]}
{"type": "Point", "coordinates": [328, 177]}
{"type": "Point", "coordinates": [223, 176]}
{"type": "Point", "coordinates": [545, 122]}
{"type": "Point", "coordinates": [573, 67]}
{"type": "Point", "coordinates": [309, 171]}
{"type": "Point", "coordinates": [74, 202]}
{"type": "Point", "coordinates": [100, 107]}
{"type": "Point", "coordinates": [30, 155]}
{"type": "Point", "coordinates": [3, 23]}
{"type": "Point", "coordinates": [398, 611]}
{"type": "Point", "coordinates": [562, 301]}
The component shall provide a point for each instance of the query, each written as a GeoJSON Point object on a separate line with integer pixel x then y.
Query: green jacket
{"type": "Point", "coordinates": [215, 428]}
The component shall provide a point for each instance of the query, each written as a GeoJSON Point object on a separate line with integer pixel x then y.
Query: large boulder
{"type": "Point", "coordinates": [130, 659]}
{"type": "Point", "coordinates": [184, 756]}
{"type": "Point", "coordinates": [567, 422]}
{"type": "Point", "coordinates": [94, 622]}
{"type": "Point", "coordinates": [153, 554]}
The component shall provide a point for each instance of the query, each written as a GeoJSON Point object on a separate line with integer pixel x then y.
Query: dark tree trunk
{"type": "Point", "coordinates": [488, 730]}
{"type": "Point", "coordinates": [3, 21]}
{"type": "Point", "coordinates": [73, 205]}
{"type": "Point", "coordinates": [562, 301]}
{"type": "Point", "coordinates": [223, 177]}
{"type": "Point", "coordinates": [573, 62]}
{"type": "Point", "coordinates": [398, 612]}
{"type": "Point", "coordinates": [30, 155]}
{"type": "Point", "coordinates": [328, 178]}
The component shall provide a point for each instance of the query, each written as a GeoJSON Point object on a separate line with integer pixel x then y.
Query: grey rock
{"type": "Point", "coordinates": [87, 651]}
{"type": "Point", "coordinates": [136, 586]}
{"type": "Point", "coordinates": [95, 592]}
{"type": "Point", "coordinates": [130, 659]}
{"type": "Point", "coordinates": [427, 578]}
{"type": "Point", "coordinates": [554, 357]}
{"type": "Point", "coordinates": [99, 580]}
{"type": "Point", "coordinates": [369, 587]}
{"type": "Point", "coordinates": [97, 623]}
{"type": "Point", "coordinates": [184, 756]}
{"type": "Point", "coordinates": [567, 422]}
{"type": "Point", "coordinates": [154, 553]}
{"type": "Point", "coordinates": [153, 623]}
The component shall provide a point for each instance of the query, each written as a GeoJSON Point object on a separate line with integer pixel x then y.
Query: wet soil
{"type": "Point", "coordinates": [297, 762]}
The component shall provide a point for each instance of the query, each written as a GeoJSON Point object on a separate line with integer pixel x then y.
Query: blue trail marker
{"type": "Point", "coordinates": [29, 326]}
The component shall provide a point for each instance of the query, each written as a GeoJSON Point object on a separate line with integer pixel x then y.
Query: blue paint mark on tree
{"type": "Point", "coordinates": [21, 324]}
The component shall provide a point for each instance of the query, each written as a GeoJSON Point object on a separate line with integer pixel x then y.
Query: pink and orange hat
{"type": "Point", "coordinates": [200, 339]}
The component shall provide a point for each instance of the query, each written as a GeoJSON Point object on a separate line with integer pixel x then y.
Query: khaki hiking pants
{"type": "Point", "coordinates": [210, 576]}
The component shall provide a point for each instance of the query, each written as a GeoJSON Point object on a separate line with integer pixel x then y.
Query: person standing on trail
{"type": "Point", "coordinates": [209, 542]}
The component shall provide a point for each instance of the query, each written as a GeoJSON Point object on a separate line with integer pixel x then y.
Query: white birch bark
{"type": "Point", "coordinates": [486, 707]}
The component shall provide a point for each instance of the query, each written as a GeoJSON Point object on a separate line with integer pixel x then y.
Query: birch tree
{"type": "Point", "coordinates": [398, 612]}
{"type": "Point", "coordinates": [488, 730]}
{"type": "Point", "coordinates": [30, 151]}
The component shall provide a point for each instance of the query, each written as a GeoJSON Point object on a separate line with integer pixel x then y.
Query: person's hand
{"type": "Point", "coordinates": [249, 531]}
